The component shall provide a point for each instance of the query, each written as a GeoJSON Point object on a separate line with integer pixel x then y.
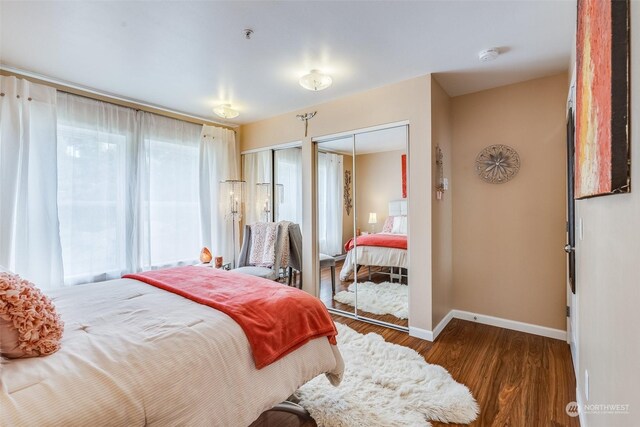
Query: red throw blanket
{"type": "Point", "coordinates": [276, 319]}
{"type": "Point", "coordinates": [397, 241]}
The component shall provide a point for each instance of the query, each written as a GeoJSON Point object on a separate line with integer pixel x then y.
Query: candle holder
{"type": "Point", "coordinates": [218, 262]}
{"type": "Point", "coordinates": [232, 204]}
{"type": "Point", "coordinates": [264, 193]}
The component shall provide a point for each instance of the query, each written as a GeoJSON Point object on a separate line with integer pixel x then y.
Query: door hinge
{"type": "Point", "coordinates": [568, 311]}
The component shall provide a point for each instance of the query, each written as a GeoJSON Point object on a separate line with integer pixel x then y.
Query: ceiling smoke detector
{"type": "Point", "coordinates": [488, 54]}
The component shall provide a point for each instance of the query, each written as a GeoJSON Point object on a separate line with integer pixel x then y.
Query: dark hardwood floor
{"type": "Point", "coordinates": [363, 275]}
{"type": "Point", "coordinates": [518, 379]}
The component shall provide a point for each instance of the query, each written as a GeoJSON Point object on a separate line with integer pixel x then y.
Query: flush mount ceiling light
{"type": "Point", "coordinates": [488, 54]}
{"type": "Point", "coordinates": [225, 111]}
{"type": "Point", "coordinates": [315, 81]}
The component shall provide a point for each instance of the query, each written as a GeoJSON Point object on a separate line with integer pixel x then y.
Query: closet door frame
{"type": "Point", "coordinates": [353, 134]}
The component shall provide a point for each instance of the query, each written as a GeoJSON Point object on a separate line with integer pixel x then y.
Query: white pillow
{"type": "Point", "coordinates": [399, 225]}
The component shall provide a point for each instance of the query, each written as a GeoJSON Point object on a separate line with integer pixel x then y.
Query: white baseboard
{"type": "Point", "coordinates": [442, 324]}
{"type": "Point", "coordinates": [514, 325]}
{"type": "Point", "coordinates": [420, 333]}
{"type": "Point", "coordinates": [511, 324]}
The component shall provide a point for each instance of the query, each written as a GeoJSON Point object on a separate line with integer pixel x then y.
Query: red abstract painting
{"type": "Point", "coordinates": [404, 176]}
{"type": "Point", "coordinates": [602, 98]}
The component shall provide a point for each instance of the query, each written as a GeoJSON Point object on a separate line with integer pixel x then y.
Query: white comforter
{"type": "Point", "coordinates": [136, 355]}
{"type": "Point", "coordinates": [374, 256]}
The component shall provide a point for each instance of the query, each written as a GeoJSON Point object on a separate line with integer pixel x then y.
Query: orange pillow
{"type": "Point", "coordinates": [29, 324]}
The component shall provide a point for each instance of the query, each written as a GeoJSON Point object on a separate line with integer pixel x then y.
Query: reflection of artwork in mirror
{"type": "Point", "coordinates": [347, 192]}
{"type": "Point", "coordinates": [404, 175]}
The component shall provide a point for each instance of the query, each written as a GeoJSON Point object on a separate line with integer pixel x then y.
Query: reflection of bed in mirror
{"type": "Point", "coordinates": [387, 249]}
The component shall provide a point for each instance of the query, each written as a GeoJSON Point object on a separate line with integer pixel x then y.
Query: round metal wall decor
{"type": "Point", "coordinates": [497, 164]}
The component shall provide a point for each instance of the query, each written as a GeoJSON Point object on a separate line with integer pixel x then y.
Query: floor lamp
{"type": "Point", "coordinates": [231, 198]}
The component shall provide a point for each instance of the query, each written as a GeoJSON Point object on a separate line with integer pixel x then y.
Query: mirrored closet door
{"type": "Point", "coordinates": [273, 185]}
{"type": "Point", "coordinates": [335, 219]}
{"type": "Point", "coordinates": [273, 193]}
{"type": "Point", "coordinates": [287, 173]}
{"type": "Point", "coordinates": [256, 172]}
{"type": "Point", "coordinates": [371, 278]}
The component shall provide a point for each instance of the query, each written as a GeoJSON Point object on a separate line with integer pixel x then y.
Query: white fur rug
{"type": "Point", "coordinates": [378, 298]}
{"type": "Point", "coordinates": [385, 385]}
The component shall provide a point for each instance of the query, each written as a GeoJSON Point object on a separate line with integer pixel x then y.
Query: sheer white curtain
{"type": "Point", "coordinates": [330, 194]}
{"type": "Point", "coordinates": [29, 227]}
{"type": "Point", "coordinates": [169, 202]}
{"type": "Point", "coordinates": [218, 162]}
{"type": "Point", "coordinates": [288, 178]}
{"type": "Point", "coordinates": [128, 190]}
{"type": "Point", "coordinates": [99, 200]}
{"type": "Point", "coordinates": [256, 168]}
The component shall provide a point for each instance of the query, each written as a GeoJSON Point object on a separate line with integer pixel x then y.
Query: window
{"type": "Point", "coordinates": [174, 207]}
{"type": "Point", "coordinates": [127, 190]}
{"type": "Point", "coordinates": [90, 200]}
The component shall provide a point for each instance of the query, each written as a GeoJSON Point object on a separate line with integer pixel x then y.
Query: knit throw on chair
{"type": "Point", "coordinates": [264, 239]}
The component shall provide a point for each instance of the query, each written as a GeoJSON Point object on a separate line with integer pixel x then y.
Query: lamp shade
{"type": "Point", "coordinates": [205, 255]}
{"type": "Point", "coordinates": [315, 81]}
{"type": "Point", "coordinates": [373, 218]}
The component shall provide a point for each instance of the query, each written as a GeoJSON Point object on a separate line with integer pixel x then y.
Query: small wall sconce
{"type": "Point", "coordinates": [442, 184]}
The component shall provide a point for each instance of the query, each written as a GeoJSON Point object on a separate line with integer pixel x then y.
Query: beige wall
{"type": "Point", "coordinates": [608, 282]}
{"type": "Point", "coordinates": [378, 181]}
{"type": "Point", "coordinates": [405, 101]}
{"type": "Point", "coordinates": [508, 238]}
{"type": "Point", "coordinates": [442, 210]}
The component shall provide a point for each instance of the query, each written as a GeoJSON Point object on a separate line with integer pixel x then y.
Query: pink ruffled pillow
{"type": "Point", "coordinates": [388, 225]}
{"type": "Point", "coordinates": [29, 324]}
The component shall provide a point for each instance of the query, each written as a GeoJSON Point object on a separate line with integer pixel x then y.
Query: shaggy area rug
{"type": "Point", "coordinates": [385, 385]}
{"type": "Point", "coordinates": [378, 298]}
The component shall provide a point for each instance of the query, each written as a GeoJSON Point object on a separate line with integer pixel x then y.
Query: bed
{"type": "Point", "coordinates": [134, 354]}
{"type": "Point", "coordinates": [385, 249]}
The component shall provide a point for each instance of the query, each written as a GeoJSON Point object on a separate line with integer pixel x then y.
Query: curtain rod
{"type": "Point", "coordinates": [277, 147]}
{"type": "Point", "coordinates": [106, 97]}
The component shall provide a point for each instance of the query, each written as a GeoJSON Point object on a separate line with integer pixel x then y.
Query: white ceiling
{"type": "Point", "coordinates": [190, 56]}
{"type": "Point", "coordinates": [391, 139]}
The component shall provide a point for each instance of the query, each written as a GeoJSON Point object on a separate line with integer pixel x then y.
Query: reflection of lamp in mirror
{"type": "Point", "coordinates": [264, 193]}
{"type": "Point", "coordinates": [232, 205]}
{"type": "Point", "coordinates": [373, 220]}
